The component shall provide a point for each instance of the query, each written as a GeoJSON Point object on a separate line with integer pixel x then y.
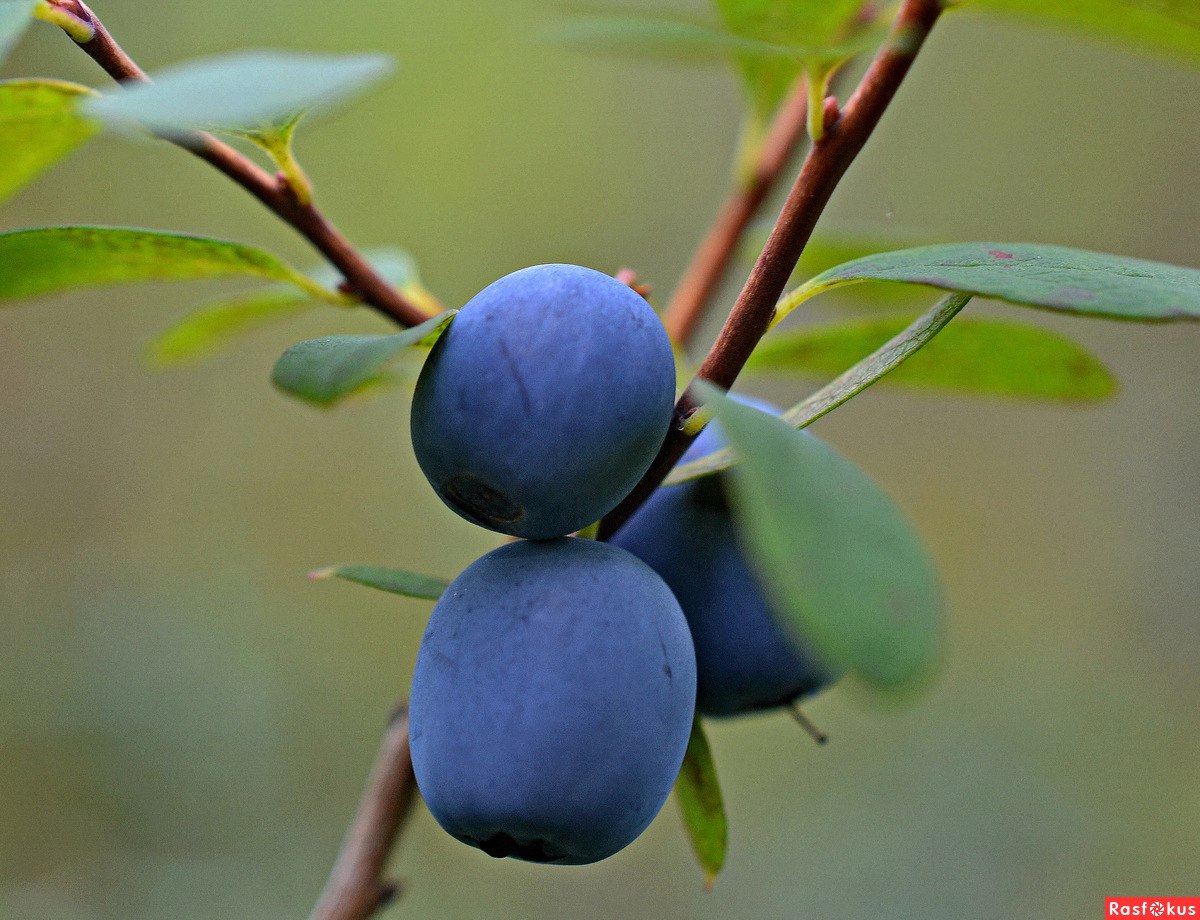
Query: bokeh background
{"type": "Point", "coordinates": [186, 722]}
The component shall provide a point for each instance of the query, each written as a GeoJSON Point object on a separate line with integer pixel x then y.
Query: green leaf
{"type": "Point", "coordinates": [1164, 26]}
{"type": "Point", "coordinates": [326, 370]}
{"type": "Point", "coordinates": [211, 328]}
{"type": "Point", "coordinates": [843, 565]}
{"type": "Point", "coordinates": [701, 805]}
{"type": "Point", "coordinates": [15, 16]}
{"type": "Point", "coordinates": [827, 24]}
{"type": "Point", "coordinates": [1051, 277]}
{"type": "Point", "coordinates": [843, 388]}
{"type": "Point", "coordinates": [55, 259]}
{"type": "Point", "coordinates": [240, 92]}
{"type": "Point", "coordinates": [394, 581]}
{"type": "Point", "coordinates": [974, 355]}
{"type": "Point", "coordinates": [40, 124]}
{"type": "Point", "coordinates": [218, 324]}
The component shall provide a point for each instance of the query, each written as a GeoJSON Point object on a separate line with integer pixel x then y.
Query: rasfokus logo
{"type": "Point", "coordinates": [1152, 907]}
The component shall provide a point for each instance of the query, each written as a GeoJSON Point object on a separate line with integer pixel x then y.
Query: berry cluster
{"type": "Point", "coordinates": [558, 678]}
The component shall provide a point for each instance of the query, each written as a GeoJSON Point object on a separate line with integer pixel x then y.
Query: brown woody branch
{"type": "Point", "coordinates": [356, 888]}
{"type": "Point", "coordinates": [716, 250]}
{"type": "Point", "coordinates": [362, 281]}
{"type": "Point", "coordinates": [845, 136]}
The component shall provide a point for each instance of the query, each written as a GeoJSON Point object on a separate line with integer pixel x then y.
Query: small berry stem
{"type": "Point", "coordinates": [806, 723]}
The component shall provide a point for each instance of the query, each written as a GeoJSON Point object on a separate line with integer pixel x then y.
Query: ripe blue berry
{"type": "Point", "coordinates": [744, 660]}
{"type": "Point", "coordinates": [552, 701]}
{"type": "Point", "coordinates": [544, 402]}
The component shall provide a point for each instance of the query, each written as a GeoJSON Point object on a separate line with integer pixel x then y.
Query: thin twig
{"type": "Point", "coordinates": [273, 191]}
{"type": "Point", "coordinates": [826, 163]}
{"type": "Point", "coordinates": [716, 250]}
{"type": "Point", "coordinates": [885, 359]}
{"type": "Point", "coordinates": [356, 888]}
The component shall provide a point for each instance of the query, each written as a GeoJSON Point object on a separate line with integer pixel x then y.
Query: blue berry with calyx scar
{"type": "Point", "coordinates": [544, 402]}
{"type": "Point", "coordinates": [552, 701]}
{"type": "Point", "coordinates": [745, 661]}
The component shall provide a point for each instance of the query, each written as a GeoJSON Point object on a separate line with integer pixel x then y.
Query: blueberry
{"type": "Point", "coordinates": [552, 701]}
{"type": "Point", "coordinates": [544, 402]}
{"type": "Point", "coordinates": [744, 660]}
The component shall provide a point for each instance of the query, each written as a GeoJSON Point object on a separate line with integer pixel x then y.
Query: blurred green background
{"type": "Point", "coordinates": [186, 722]}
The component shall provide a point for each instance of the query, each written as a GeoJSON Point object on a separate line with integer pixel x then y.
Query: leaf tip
{"type": "Point", "coordinates": [322, 574]}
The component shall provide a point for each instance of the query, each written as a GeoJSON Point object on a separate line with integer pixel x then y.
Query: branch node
{"type": "Point", "coordinates": [69, 16]}
{"type": "Point", "coordinates": [388, 893]}
{"type": "Point", "coordinates": [831, 113]}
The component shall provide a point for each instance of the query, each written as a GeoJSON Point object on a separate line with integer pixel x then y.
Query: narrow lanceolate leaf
{"type": "Point", "coordinates": [240, 92]}
{"type": "Point", "coordinates": [55, 259]}
{"type": "Point", "coordinates": [211, 328]}
{"type": "Point", "coordinates": [701, 805]}
{"type": "Point", "coordinates": [40, 123]}
{"type": "Point", "coordinates": [1051, 277]}
{"type": "Point", "coordinates": [843, 388]}
{"type": "Point", "coordinates": [841, 562]}
{"type": "Point", "coordinates": [329, 369]}
{"type": "Point", "coordinates": [15, 16]}
{"type": "Point", "coordinates": [394, 581]}
{"type": "Point", "coordinates": [1169, 27]}
{"type": "Point", "coordinates": [219, 324]}
{"type": "Point", "coordinates": [975, 355]}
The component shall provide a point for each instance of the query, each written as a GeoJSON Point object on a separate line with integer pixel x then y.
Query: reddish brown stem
{"type": "Point", "coordinates": [276, 195]}
{"type": "Point", "coordinates": [717, 249]}
{"type": "Point", "coordinates": [823, 168]}
{"type": "Point", "coordinates": [356, 888]}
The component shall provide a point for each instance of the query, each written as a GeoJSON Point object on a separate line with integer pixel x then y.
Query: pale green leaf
{"type": "Point", "coordinates": [240, 92]}
{"type": "Point", "coordinates": [1051, 277]}
{"type": "Point", "coordinates": [975, 355]}
{"type": "Point", "coordinates": [845, 387]}
{"type": "Point", "coordinates": [844, 567]}
{"type": "Point", "coordinates": [701, 805]}
{"type": "Point", "coordinates": [1169, 27]}
{"type": "Point", "coordinates": [216, 325]}
{"type": "Point", "coordinates": [326, 370]}
{"type": "Point", "coordinates": [394, 581]}
{"type": "Point", "coordinates": [40, 124]}
{"type": "Point", "coordinates": [15, 16]}
{"type": "Point", "coordinates": [55, 259]}
{"type": "Point", "coordinates": [211, 328]}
